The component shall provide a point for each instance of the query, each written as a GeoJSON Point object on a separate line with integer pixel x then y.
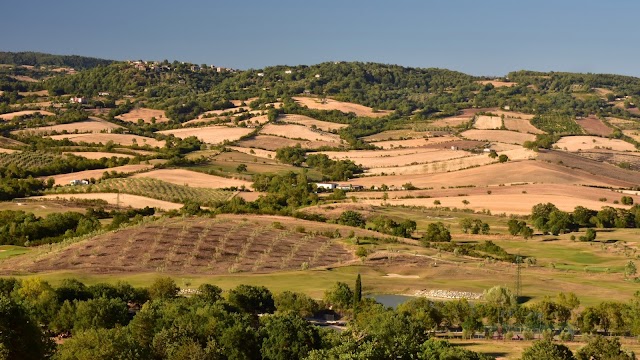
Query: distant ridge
{"type": "Point", "coordinates": [36, 59]}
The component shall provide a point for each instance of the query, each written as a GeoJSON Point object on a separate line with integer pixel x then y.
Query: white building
{"type": "Point", "coordinates": [326, 186]}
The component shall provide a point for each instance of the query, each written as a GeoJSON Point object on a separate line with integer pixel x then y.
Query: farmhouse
{"type": "Point", "coordinates": [326, 186]}
{"type": "Point", "coordinates": [79, 182]}
{"type": "Point", "coordinates": [78, 100]}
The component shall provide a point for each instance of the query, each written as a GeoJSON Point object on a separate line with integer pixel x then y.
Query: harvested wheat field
{"type": "Point", "coordinates": [513, 114]}
{"type": "Point", "coordinates": [92, 125]}
{"type": "Point", "coordinates": [497, 83]}
{"type": "Point", "coordinates": [409, 143]}
{"type": "Point", "coordinates": [506, 136]}
{"type": "Point", "coordinates": [518, 204]}
{"type": "Point", "coordinates": [434, 167]}
{"type": "Point", "coordinates": [34, 93]}
{"type": "Point", "coordinates": [7, 151]}
{"type": "Point", "coordinates": [484, 122]}
{"type": "Point", "coordinates": [8, 142]}
{"type": "Point", "coordinates": [299, 132]}
{"type": "Point", "coordinates": [310, 122]}
{"type": "Point", "coordinates": [210, 134]}
{"type": "Point", "coordinates": [273, 143]}
{"type": "Point", "coordinates": [396, 158]}
{"type": "Point", "coordinates": [193, 178]}
{"type": "Point", "coordinates": [399, 134]}
{"type": "Point", "coordinates": [634, 134]}
{"type": "Point", "coordinates": [124, 200]}
{"type": "Point", "coordinates": [11, 115]}
{"type": "Point", "coordinates": [495, 174]}
{"type": "Point", "coordinates": [145, 114]}
{"type": "Point", "coordinates": [330, 104]}
{"type": "Point", "coordinates": [521, 125]}
{"type": "Point", "coordinates": [577, 143]}
{"type": "Point", "coordinates": [265, 154]}
{"type": "Point", "coordinates": [221, 245]}
{"type": "Point", "coordinates": [98, 154]}
{"type": "Point", "coordinates": [451, 121]}
{"type": "Point", "coordinates": [594, 126]}
{"type": "Point", "coordinates": [64, 179]}
{"type": "Point", "coordinates": [623, 123]}
{"type": "Point", "coordinates": [120, 139]}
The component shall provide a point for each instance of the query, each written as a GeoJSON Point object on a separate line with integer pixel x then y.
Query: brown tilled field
{"type": "Point", "coordinates": [299, 132]}
{"type": "Point", "coordinates": [120, 139]}
{"type": "Point", "coordinates": [193, 178]}
{"type": "Point", "coordinates": [594, 126]}
{"type": "Point", "coordinates": [330, 104]}
{"type": "Point", "coordinates": [64, 179]}
{"type": "Point", "coordinates": [10, 116]}
{"type": "Point", "coordinates": [309, 122]}
{"type": "Point", "coordinates": [144, 114]}
{"type": "Point", "coordinates": [521, 125]}
{"type": "Point", "coordinates": [93, 125]}
{"type": "Point", "coordinates": [222, 245]}
{"type": "Point", "coordinates": [7, 142]}
{"type": "Point", "coordinates": [577, 143]}
{"type": "Point", "coordinates": [495, 174]}
{"type": "Point", "coordinates": [210, 134]}
{"type": "Point", "coordinates": [122, 200]}
{"type": "Point", "coordinates": [506, 136]}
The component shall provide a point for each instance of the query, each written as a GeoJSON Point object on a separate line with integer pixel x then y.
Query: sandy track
{"type": "Point", "coordinates": [576, 143]}
{"type": "Point", "coordinates": [210, 134]}
{"type": "Point", "coordinates": [192, 178]}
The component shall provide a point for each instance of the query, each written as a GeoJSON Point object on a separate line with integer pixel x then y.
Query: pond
{"type": "Point", "coordinates": [390, 300]}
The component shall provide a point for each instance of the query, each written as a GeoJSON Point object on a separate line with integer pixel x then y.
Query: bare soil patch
{"type": "Point", "coordinates": [64, 179]}
{"type": "Point", "coordinates": [145, 114]}
{"type": "Point", "coordinates": [210, 134]}
{"type": "Point", "coordinates": [594, 126]}
{"type": "Point", "coordinates": [11, 115]}
{"type": "Point", "coordinates": [330, 104]}
{"type": "Point", "coordinates": [120, 139]}
{"type": "Point", "coordinates": [310, 122]}
{"type": "Point", "coordinates": [123, 200]}
{"type": "Point", "coordinates": [573, 161]}
{"type": "Point", "coordinates": [299, 132]}
{"type": "Point", "coordinates": [521, 125]}
{"type": "Point", "coordinates": [7, 142]}
{"type": "Point", "coordinates": [497, 83]}
{"type": "Point", "coordinates": [484, 122]}
{"type": "Point", "coordinates": [614, 157]}
{"type": "Point", "coordinates": [197, 246]}
{"type": "Point", "coordinates": [193, 178]}
{"type": "Point", "coordinates": [506, 136]}
{"type": "Point", "coordinates": [92, 125]}
{"type": "Point", "coordinates": [577, 143]}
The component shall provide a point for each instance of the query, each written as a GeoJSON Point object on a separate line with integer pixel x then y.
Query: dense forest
{"type": "Point", "coordinates": [250, 322]}
{"type": "Point", "coordinates": [38, 59]}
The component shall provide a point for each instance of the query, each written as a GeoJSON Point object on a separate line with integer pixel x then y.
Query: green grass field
{"type": "Point", "coordinates": [7, 251]}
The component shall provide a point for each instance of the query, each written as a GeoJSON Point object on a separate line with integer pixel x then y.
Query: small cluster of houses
{"type": "Point", "coordinates": [79, 182]}
{"type": "Point", "coordinates": [158, 67]}
{"type": "Point", "coordinates": [333, 186]}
